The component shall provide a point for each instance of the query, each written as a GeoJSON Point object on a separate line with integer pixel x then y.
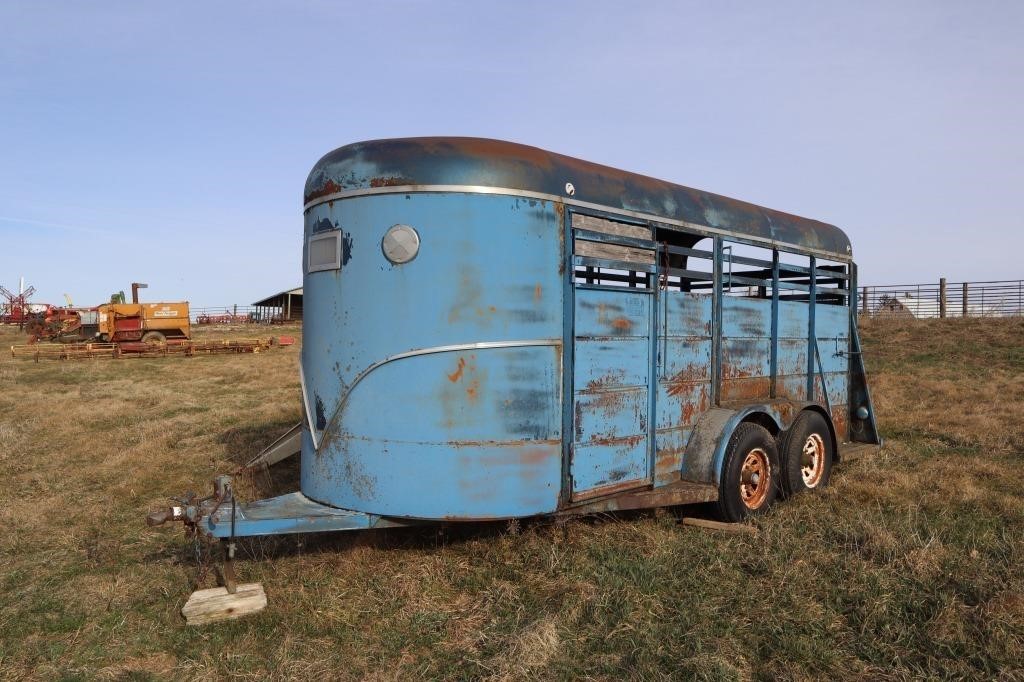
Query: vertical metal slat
{"type": "Point", "coordinates": [716, 324]}
{"type": "Point", "coordinates": [812, 301]}
{"type": "Point", "coordinates": [775, 323]}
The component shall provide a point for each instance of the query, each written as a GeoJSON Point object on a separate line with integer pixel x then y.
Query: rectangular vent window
{"type": "Point", "coordinates": [325, 251]}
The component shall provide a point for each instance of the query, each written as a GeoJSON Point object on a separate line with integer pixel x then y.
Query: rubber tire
{"type": "Point", "coordinates": [745, 438]}
{"type": "Point", "coordinates": [791, 443]}
{"type": "Point", "coordinates": [154, 337]}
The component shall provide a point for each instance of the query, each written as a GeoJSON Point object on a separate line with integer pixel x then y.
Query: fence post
{"type": "Point", "coordinates": [965, 300]}
{"type": "Point", "coordinates": [942, 297]}
{"type": "Point", "coordinates": [864, 300]}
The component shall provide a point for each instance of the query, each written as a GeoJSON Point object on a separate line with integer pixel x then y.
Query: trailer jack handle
{"type": "Point", "coordinates": [227, 573]}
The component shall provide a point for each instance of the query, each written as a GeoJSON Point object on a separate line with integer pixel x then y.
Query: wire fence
{"type": "Point", "coordinates": [1001, 298]}
{"type": "Point", "coordinates": [1004, 298]}
{"type": "Point", "coordinates": [240, 314]}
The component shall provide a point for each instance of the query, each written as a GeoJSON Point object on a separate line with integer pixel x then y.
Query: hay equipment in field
{"type": "Point", "coordinates": [114, 322]}
{"type": "Point", "coordinates": [144, 349]}
{"type": "Point", "coordinates": [15, 307]}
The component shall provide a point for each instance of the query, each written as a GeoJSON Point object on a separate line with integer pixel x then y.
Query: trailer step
{"type": "Point", "coordinates": [284, 447]}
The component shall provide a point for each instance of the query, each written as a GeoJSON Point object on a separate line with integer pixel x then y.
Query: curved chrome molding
{"type": "Point", "coordinates": [411, 354]}
{"type": "Point", "coordinates": [706, 230]}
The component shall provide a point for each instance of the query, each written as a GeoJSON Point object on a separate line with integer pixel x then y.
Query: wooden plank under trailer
{"type": "Point", "coordinates": [137, 349]}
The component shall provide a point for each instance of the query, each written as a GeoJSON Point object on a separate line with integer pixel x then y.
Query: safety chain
{"type": "Point", "coordinates": [202, 558]}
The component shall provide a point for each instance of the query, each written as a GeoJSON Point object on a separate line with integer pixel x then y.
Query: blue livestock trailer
{"type": "Point", "coordinates": [494, 331]}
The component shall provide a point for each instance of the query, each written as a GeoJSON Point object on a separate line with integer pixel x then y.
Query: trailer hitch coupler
{"type": "Point", "coordinates": [158, 518]}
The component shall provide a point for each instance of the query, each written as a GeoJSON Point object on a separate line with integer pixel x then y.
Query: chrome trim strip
{"type": "Point", "coordinates": [411, 354]}
{"type": "Point", "coordinates": [706, 230]}
{"type": "Point", "coordinates": [467, 346]}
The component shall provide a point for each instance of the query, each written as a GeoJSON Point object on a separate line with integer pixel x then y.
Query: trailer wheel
{"type": "Point", "coordinates": [153, 337]}
{"type": "Point", "coordinates": [750, 475]}
{"type": "Point", "coordinates": [807, 454]}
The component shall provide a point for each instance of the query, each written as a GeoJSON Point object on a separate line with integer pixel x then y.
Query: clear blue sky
{"type": "Point", "coordinates": [169, 142]}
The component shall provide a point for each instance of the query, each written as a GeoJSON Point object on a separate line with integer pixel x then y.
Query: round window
{"type": "Point", "coordinates": [401, 243]}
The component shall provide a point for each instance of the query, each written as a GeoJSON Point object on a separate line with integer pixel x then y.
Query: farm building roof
{"type": "Point", "coordinates": [275, 299]}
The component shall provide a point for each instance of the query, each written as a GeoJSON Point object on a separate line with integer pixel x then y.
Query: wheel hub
{"type": "Point", "coordinates": [755, 478]}
{"type": "Point", "coordinates": [812, 460]}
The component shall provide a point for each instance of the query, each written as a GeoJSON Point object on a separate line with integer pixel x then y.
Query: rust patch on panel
{"type": "Point", "coordinates": [737, 370]}
{"type": "Point", "coordinates": [840, 419]}
{"type": "Point", "coordinates": [472, 379]}
{"type": "Point", "coordinates": [538, 291]}
{"type": "Point", "coordinates": [667, 463]}
{"type": "Point", "coordinates": [748, 388]}
{"type": "Point", "coordinates": [609, 403]}
{"type": "Point", "coordinates": [625, 441]}
{"type": "Point", "coordinates": [457, 374]}
{"type": "Point", "coordinates": [682, 380]}
{"type": "Point", "coordinates": [608, 489]}
{"type": "Point", "coordinates": [691, 411]}
{"type": "Point", "coordinates": [622, 324]}
{"type": "Point", "coordinates": [785, 412]}
{"type": "Point", "coordinates": [329, 187]}
{"type": "Point", "coordinates": [473, 390]}
{"type": "Point", "coordinates": [688, 411]}
{"type": "Point", "coordinates": [393, 181]}
{"type": "Point", "coordinates": [534, 456]}
{"type": "Point", "coordinates": [677, 492]}
{"type": "Point", "coordinates": [457, 444]}
{"type": "Point", "coordinates": [606, 382]}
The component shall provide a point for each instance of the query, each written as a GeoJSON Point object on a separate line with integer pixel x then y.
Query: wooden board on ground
{"type": "Point", "coordinates": [718, 525]}
{"type": "Point", "coordinates": [849, 452]}
{"type": "Point", "coordinates": [216, 604]}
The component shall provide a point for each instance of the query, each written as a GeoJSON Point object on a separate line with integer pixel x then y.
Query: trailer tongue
{"type": "Point", "coordinates": [220, 516]}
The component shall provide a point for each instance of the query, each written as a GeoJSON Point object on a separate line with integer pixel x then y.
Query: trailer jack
{"type": "Point", "coordinates": [220, 516]}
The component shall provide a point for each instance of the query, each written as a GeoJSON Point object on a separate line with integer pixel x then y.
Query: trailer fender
{"type": "Point", "coordinates": [705, 453]}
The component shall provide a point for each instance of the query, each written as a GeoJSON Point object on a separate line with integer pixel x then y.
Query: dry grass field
{"type": "Point", "coordinates": [910, 565]}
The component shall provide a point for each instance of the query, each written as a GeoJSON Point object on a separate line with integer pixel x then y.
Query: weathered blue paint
{"type": "Point", "coordinates": [832, 330]}
{"type": "Point", "coordinates": [480, 380]}
{"type": "Point", "coordinates": [480, 429]}
{"type": "Point", "coordinates": [684, 387]}
{"type": "Point", "coordinates": [611, 385]}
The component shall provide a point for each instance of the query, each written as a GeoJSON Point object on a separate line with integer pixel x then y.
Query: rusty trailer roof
{"type": "Point", "coordinates": [418, 164]}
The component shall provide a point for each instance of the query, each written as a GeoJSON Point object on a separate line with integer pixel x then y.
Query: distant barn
{"type": "Point", "coordinates": [285, 306]}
